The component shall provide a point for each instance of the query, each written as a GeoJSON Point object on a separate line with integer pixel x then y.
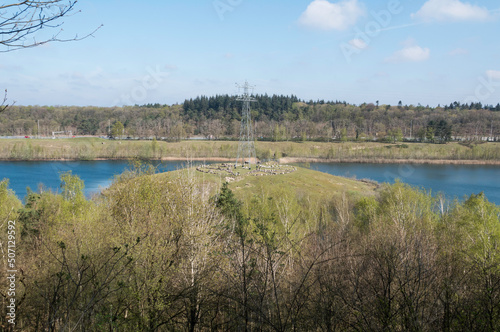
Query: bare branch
{"type": "Point", "coordinates": [4, 105]}
{"type": "Point", "coordinates": [20, 20]}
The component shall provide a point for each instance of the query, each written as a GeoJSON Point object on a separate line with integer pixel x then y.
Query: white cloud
{"type": "Point", "coordinates": [451, 10]}
{"type": "Point", "coordinates": [411, 53]}
{"type": "Point", "coordinates": [358, 43]}
{"type": "Point", "coordinates": [493, 75]}
{"type": "Point", "coordinates": [324, 15]}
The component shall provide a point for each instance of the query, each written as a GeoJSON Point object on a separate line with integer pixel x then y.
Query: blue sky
{"type": "Point", "coordinates": [429, 52]}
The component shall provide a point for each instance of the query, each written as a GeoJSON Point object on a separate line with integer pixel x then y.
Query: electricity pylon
{"type": "Point", "coordinates": [246, 146]}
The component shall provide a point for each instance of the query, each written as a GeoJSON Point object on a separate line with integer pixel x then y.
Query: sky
{"type": "Point", "coordinates": [418, 52]}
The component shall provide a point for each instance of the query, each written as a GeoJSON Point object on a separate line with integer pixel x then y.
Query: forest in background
{"type": "Point", "coordinates": [276, 118]}
{"type": "Point", "coordinates": [174, 254]}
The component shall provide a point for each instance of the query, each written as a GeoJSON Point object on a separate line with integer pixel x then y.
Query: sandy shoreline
{"type": "Point", "coordinates": [287, 160]}
{"type": "Point", "coordinates": [125, 159]}
{"type": "Point", "coordinates": [390, 161]}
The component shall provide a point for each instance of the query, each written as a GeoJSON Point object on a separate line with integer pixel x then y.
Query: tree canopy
{"type": "Point", "coordinates": [276, 117]}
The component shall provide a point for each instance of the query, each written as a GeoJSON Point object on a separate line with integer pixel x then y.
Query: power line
{"type": "Point", "coordinates": [246, 145]}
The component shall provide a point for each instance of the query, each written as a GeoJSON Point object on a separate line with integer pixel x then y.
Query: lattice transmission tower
{"type": "Point", "coordinates": [246, 146]}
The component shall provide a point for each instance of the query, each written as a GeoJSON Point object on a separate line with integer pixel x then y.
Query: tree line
{"type": "Point", "coordinates": [276, 118]}
{"type": "Point", "coordinates": [171, 255]}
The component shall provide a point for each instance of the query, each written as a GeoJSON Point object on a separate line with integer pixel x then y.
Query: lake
{"type": "Point", "coordinates": [452, 180]}
{"type": "Point", "coordinates": [95, 174]}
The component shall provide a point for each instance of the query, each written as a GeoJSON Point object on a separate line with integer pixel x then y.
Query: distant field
{"type": "Point", "coordinates": [96, 148]}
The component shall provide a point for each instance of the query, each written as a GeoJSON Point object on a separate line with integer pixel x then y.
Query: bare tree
{"type": "Point", "coordinates": [20, 20]}
{"type": "Point", "coordinates": [4, 105]}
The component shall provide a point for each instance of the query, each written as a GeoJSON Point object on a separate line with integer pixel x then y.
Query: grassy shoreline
{"type": "Point", "coordinates": [286, 152]}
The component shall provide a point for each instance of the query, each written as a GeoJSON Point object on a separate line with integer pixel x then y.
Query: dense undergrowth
{"type": "Point", "coordinates": [169, 255]}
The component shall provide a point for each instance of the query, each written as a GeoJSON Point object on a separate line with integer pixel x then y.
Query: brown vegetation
{"type": "Point", "coordinates": [371, 152]}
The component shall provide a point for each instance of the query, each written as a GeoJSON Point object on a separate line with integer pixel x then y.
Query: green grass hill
{"type": "Point", "coordinates": [301, 184]}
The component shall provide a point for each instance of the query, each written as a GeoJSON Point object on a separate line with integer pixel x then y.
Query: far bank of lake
{"type": "Point", "coordinates": [366, 152]}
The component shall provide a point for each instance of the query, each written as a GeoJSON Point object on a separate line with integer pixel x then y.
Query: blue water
{"type": "Point", "coordinates": [45, 174]}
{"type": "Point", "coordinates": [452, 180]}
